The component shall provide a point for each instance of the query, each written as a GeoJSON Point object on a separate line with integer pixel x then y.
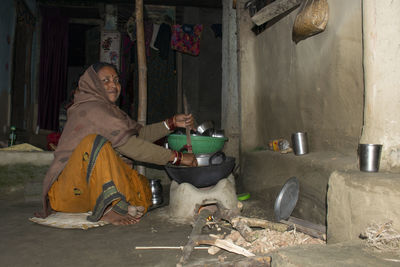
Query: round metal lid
{"type": "Point", "coordinates": [287, 199]}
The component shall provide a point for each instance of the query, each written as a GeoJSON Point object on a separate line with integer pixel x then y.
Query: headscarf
{"type": "Point", "coordinates": [91, 113]}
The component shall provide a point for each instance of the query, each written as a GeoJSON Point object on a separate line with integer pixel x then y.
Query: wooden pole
{"type": "Point", "coordinates": [179, 81]}
{"type": "Point", "coordinates": [188, 139]}
{"type": "Point", "coordinates": [142, 69]}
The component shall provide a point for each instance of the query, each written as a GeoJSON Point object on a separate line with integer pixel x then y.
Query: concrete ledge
{"type": "Point", "coordinates": [18, 157]}
{"type": "Point", "coordinates": [264, 173]}
{"type": "Point", "coordinates": [356, 199]}
{"type": "Point", "coordinates": [343, 254]}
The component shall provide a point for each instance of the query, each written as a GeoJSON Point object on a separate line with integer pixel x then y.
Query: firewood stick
{"type": "Point", "coordinates": [167, 247]}
{"type": "Point", "coordinates": [243, 229]}
{"type": "Point", "coordinates": [229, 215]}
{"type": "Point", "coordinates": [255, 222]}
{"type": "Point", "coordinates": [306, 230]}
{"type": "Point", "coordinates": [224, 244]}
{"type": "Point", "coordinates": [213, 250]}
{"type": "Point", "coordinates": [243, 224]}
{"type": "Point", "coordinates": [198, 226]}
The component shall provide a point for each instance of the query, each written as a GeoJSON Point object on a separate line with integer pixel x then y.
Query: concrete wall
{"type": "Point", "coordinates": [202, 73]}
{"type": "Point", "coordinates": [381, 49]}
{"type": "Point", "coordinates": [356, 200]}
{"type": "Point", "coordinates": [314, 86]}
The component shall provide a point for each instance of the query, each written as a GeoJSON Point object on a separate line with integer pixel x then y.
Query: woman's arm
{"type": "Point", "coordinates": [153, 132]}
{"type": "Point", "coordinates": [145, 151]}
{"type": "Point", "coordinates": [142, 150]}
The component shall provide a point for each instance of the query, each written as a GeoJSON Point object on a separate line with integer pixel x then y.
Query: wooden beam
{"type": "Point", "coordinates": [273, 10]}
{"type": "Point", "coordinates": [142, 70]}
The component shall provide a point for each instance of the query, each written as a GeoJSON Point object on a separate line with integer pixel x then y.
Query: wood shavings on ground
{"type": "Point", "coordinates": [22, 147]}
{"type": "Point", "coordinates": [268, 240]}
{"type": "Point", "coordinates": [382, 236]}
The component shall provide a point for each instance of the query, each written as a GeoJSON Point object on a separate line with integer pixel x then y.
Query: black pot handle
{"type": "Point", "coordinates": [218, 153]}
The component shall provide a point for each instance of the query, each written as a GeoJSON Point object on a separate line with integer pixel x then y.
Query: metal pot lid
{"type": "Point", "coordinates": [287, 199]}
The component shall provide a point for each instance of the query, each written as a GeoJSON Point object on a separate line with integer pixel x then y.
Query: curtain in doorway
{"type": "Point", "coordinates": [53, 66]}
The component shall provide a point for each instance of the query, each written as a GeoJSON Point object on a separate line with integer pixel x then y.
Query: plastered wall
{"type": "Point", "coordinates": [315, 86]}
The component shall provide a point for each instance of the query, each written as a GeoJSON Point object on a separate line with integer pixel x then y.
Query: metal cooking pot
{"type": "Point", "coordinates": [210, 159]}
{"type": "Point", "coordinates": [201, 176]}
{"type": "Point", "coordinates": [214, 133]}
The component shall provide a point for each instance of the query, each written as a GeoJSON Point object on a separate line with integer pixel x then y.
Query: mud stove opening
{"type": "Point", "coordinates": [186, 199]}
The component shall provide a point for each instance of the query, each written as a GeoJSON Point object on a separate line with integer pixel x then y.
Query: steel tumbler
{"type": "Point", "coordinates": [300, 143]}
{"type": "Point", "coordinates": [369, 157]}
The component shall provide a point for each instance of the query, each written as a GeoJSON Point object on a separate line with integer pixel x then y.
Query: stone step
{"type": "Point", "coordinates": [351, 254]}
{"type": "Point", "coordinates": [20, 157]}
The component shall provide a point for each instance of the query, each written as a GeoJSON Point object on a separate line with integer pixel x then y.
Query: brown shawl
{"type": "Point", "coordinates": [91, 113]}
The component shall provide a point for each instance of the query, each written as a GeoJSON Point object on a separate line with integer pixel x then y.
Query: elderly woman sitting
{"type": "Point", "coordinates": [87, 173]}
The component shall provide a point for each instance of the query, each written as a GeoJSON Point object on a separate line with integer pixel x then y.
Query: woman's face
{"type": "Point", "coordinates": [110, 80]}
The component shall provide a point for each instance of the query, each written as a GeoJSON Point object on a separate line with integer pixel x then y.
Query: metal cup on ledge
{"type": "Point", "coordinates": [300, 143]}
{"type": "Point", "coordinates": [369, 157]}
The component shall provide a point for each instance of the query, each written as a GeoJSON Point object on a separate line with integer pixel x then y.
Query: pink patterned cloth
{"type": "Point", "coordinates": [186, 38]}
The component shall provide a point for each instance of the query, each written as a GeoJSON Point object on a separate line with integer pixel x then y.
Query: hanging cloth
{"type": "Point", "coordinates": [186, 38]}
{"type": "Point", "coordinates": [156, 28]}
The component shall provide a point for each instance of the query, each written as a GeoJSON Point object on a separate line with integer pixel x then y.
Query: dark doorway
{"type": "Point", "coordinates": [83, 50]}
{"type": "Point", "coordinates": [21, 96]}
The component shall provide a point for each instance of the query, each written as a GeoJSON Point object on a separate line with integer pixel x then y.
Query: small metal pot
{"type": "Point", "coordinates": [216, 158]}
{"type": "Point", "coordinates": [205, 126]}
{"type": "Point", "coordinates": [218, 133]}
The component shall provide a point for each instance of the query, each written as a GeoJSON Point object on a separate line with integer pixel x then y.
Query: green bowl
{"type": "Point", "coordinates": [200, 144]}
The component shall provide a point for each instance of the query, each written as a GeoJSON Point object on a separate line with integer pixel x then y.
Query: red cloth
{"type": "Point", "coordinates": [52, 139]}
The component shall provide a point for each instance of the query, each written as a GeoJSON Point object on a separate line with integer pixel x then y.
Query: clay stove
{"type": "Point", "coordinates": [186, 199]}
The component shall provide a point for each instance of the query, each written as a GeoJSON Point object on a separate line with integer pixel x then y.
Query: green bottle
{"type": "Point", "coordinates": [13, 136]}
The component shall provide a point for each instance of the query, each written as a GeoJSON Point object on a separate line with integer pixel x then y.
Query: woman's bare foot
{"type": "Point", "coordinates": [136, 211]}
{"type": "Point", "coordinates": [118, 219]}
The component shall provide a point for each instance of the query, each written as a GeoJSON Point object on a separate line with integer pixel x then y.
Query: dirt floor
{"type": "Point", "coordinates": [25, 243]}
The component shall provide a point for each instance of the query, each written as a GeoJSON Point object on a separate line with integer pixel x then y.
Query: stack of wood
{"type": "Point", "coordinates": [267, 240]}
{"type": "Point", "coordinates": [243, 239]}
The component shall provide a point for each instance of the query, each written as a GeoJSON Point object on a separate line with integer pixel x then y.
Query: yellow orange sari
{"type": "Point", "coordinates": [94, 178]}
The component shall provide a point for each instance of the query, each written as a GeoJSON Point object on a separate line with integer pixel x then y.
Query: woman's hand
{"type": "Point", "coordinates": [179, 158]}
{"type": "Point", "coordinates": [183, 121]}
{"type": "Point", "coordinates": [189, 159]}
